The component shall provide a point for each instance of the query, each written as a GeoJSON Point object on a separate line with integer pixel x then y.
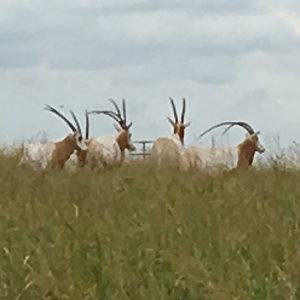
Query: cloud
{"type": "Point", "coordinates": [231, 60]}
{"type": "Point", "coordinates": [214, 7]}
{"type": "Point", "coordinates": [292, 20]}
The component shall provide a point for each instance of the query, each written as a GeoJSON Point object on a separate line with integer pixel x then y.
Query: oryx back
{"type": "Point", "coordinates": [37, 155]}
{"type": "Point", "coordinates": [110, 150]}
{"type": "Point", "coordinates": [217, 156]}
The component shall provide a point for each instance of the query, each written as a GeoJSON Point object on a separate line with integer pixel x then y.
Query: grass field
{"type": "Point", "coordinates": [139, 233]}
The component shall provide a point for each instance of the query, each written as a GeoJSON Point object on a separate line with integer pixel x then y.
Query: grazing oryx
{"type": "Point", "coordinates": [109, 151]}
{"type": "Point", "coordinates": [173, 145]}
{"type": "Point", "coordinates": [239, 156]}
{"type": "Point", "coordinates": [54, 154]}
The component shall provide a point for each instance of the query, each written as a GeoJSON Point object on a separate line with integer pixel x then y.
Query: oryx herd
{"type": "Point", "coordinates": [106, 152]}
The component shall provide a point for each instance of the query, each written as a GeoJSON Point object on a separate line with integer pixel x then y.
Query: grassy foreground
{"type": "Point", "coordinates": [137, 233]}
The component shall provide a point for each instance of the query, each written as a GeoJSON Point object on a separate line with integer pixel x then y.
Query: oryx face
{"type": "Point", "coordinates": [80, 141]}
{"type": "Point", "coordinates": [254, 138]}
{"type": "Point", "coordinates": [130, 145]}
{"type": "Point", "coordinates": [126, 137]}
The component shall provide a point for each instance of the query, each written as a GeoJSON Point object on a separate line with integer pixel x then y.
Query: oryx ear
{"type": "Point", "coordinates": [118, 127]}
{"type": "Point", "coordinates": [187, 124]}
{"type": "Point", "coordinates": [171, 121]}
{"type": "Point", "coordinates": [255, 134]}
{"type": "Point", "coordinates": [129, 125]}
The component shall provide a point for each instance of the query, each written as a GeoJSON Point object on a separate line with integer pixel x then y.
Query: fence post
{"type": "Point", "coordinates": [143, 152]}
{"type": "Point", "coordinates": [144, 149]}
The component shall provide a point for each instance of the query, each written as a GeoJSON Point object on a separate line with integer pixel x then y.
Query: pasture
{"type": "Point", "coordinates": [137, 232]}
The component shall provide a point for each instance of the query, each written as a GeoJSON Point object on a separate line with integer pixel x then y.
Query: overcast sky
{"type": "Point", "coordinates": [230, 59]}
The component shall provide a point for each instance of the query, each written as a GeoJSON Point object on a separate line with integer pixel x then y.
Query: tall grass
{"type": "Point", "coordinates": [141, 233]}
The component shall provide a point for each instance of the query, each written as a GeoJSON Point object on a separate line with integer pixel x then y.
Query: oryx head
{"type": "Point", "coordinates": [179, 126]}
{"type": "Point", "coordinates": [122, 127]}
{"type": "Point", "coordinates": [77, 134]}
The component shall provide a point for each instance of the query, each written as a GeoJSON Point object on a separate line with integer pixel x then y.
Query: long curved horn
{"type": "Point", "coordinates": [183, 111]}
{"type": "Point", "coordinates": [116, 107]}
{"type": "Point", "coordinates": [227, 129]}
{"type": "Point", "coordinates": [111, 114]}
{"type": "Point", "coordinates": [174, 110]}
{"type": "Point", "coordinates": [247, 127]}
{"type": "Point", "coordinates": [55, 111]}
{"type": "Point", "coordinates": [106, 112]}
{"type": "Point", "coordinates": [243, 124]}
{"type": "Point", "coordinates": [87, 125]}
{"type": "Point", "coordinates": [76, 122]}
{"type": "Point", "coordinates": [231, 124]}
{"type": "Point", "coordinates": [124, 111]}
{"type": "Point", "coordinates": [117, 116]}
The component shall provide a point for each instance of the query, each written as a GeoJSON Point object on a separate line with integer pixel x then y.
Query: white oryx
{"type": "Point", "coordinates": [239, 156]}
{"type": "Point", "coordinates": [106, 152]}
{"type": "Point", "coordinates": [54, 154]}
{"type": "Point", "coordinates": [171, 147]}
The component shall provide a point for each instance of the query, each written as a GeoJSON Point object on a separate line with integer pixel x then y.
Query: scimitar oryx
{"type": "Point", "coordinates": [238, 156]}
{"type": "Point", "coordinates": [54, 154]}
{"type": "Point", "coordinates": [171, 147]}
{"type": "Point", "coordinates": [106, 152]}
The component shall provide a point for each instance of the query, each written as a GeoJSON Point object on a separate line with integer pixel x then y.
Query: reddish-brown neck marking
{"type": "Point", "coordinates": [62, 151]}
{"type": "Point", "coordinates": [122, 140]}
{"type": "Point", "coordinates": [246, 151]}
{"type": "Point", "coordinates": [82, 155]}
{"type": "Point", "coordinates": [179, 128]}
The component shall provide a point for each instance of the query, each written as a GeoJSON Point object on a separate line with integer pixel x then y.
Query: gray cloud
{"type": "Point", "coordinates": [214, 7]}
{"type": "Point", "coordinates": [113, 40]}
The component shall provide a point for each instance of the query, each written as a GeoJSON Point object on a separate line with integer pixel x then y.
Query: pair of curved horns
{"type": "Point", "coordinates": [68, 122]}
{"type": "Point", "coordinates": [175, 111]}
{"type": "Point", "coordinates": [244, 125]}
{"type": "Point", "coordinates": [117, 116]}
